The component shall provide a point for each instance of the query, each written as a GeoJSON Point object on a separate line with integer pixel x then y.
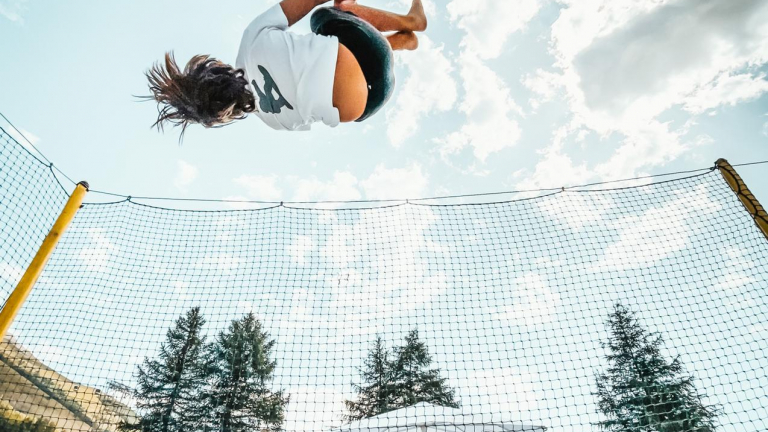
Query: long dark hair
{"type": "Point", "coordinates": [208, 92]}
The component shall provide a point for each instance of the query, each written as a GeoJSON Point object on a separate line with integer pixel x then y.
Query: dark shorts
{"type": "Point", "coordinates": [370, 48]}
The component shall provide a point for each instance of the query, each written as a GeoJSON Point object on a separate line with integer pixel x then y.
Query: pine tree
{"type": "Point", "coordinates": [238, 397]}
{"type": "Point", "coordinates": [373, 397]}
{"type": "Point", "coordinates": [168, 386]}
{"type": "Point", "coordinates": [400, 382]}
{"type": "Point", "coordinates": [643, 392]}
{"type": "Point", "coordinates": [412, 379]}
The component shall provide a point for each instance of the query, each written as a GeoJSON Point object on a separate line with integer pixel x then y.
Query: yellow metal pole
{"type": "Point", "coordinates": [23, 288]}
{"type": "Point", "coordinates": [750, 202]}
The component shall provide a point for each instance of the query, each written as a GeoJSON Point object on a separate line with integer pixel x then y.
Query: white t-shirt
{"type": "Point", "coordinates": [291, 75]}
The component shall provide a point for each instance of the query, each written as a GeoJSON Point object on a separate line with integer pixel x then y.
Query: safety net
{"type": "Point", "coordinates": [628, 308]}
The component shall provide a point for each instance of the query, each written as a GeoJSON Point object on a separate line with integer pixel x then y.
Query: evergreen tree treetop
{"type": "Point", "coordinates": [398, 380]}
{"type": "Point", "coordinates": [640, 391]}
{"type": "Point", "coordinates": [238, 398]}
{"type": "Point", "coordinates": [169, 384]}
{"type": "Point", "coordinates": [375, 395]}
{"type": "Point", "coordinates": [191, 386]}
{"type": "Point", "coordinates": [413, 379]}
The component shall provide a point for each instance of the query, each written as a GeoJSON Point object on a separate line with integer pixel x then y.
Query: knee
{"type": "Point", "coordinates": [411, 41]}
{"type": "Point", "coordinates": [404, 41]}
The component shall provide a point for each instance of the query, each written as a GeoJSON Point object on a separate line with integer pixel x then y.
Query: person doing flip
{"type": "Point", "coordinates": [341, 72]}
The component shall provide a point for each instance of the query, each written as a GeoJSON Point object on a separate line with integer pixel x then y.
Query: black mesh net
{"type": "Point", "coordinates": [633, 309]}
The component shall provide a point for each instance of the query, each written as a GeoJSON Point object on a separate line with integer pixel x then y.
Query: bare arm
{"type": "Point", "coordinates": [295, 10]}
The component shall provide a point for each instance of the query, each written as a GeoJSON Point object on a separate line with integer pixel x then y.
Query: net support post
{"type": "Point", "coordinates": [16, 300]}
{"type": "Point", "coordinates": [745, 196]}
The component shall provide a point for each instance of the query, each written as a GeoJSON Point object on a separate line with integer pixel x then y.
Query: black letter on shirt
{"type": "Point", "coordinates": [267, 101]}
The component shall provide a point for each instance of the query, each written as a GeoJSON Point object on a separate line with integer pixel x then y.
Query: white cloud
{"type": "Point", "coordinates": [501, 390]}
{"type": "Point", "coordinates": [581, 22]}
{"type": "Point", "coordinates": [487, 102]}
{"type": "Point", "coordinates": [555, 168]}
{"type": "Point", "coordinates": [765, 128]}
{"type": "Point", "coordinates": [393, 245]}
{"type": "Point", "coordinates": [343, 187]}
{"type": "Point", "coordinates": [181, 290]}
{"type": "Point", "coordinates": [428, 88]}
{"type": "Point", "coordinates": [643, 147]}
{"type": "Point", "coordinates": [544, 85]}
{"type": "Point", "coordinates": [372, 262]}
{"type": "Point", "coordinates": [581, 209]}
{"type": "Point", "coordinates": [12, 10]}
{"type": "Point", "coordinates": [383, 183]}
{"type": "Point", "coordinates": [300, 247]}
{"type": "Point", "coordinates": [10, 272]}
{"type": "Point", "coordinates": [98, 254]}
{"type": "Point", "coordinates": [726, 90]}
{"type": "Point", "coordinates": [186, 173]}
{"type": "Point", "coordinates": [658, 232]}
{"type": "Point", "coordinates": [737, 270]}
{"type": "Point", "coordinates": [313, 408]}
{"type": "Point", "coordinates": [25, 138]}
{"type": "Point", "coordinates": [348, 243]}
{"type": "Point", "coordinates": [669, 53]}
{"type": "Point", "coordinates": [624, 63]}
{"type": "Point", "coordinates": [647, 145]}
{"type": "Point", "coordinates": [489, 23]}
{"type": "Point", "coordinates": [489, 108]}
{"type": "Point", "coordinates": [395, 183]}
{"type": "Point", "coordinates": [260, 187]}
{"type": "Point", "coordinates": [218, 263]}
{"type": "Point", "coordinates": [534, 302]}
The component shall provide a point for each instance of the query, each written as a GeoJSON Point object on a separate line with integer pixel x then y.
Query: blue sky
{"type": "Point", "coordinates": [502, 95]}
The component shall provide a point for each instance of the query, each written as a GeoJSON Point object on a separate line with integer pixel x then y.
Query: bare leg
{"type": "Point", "coordinates": [403, 41]}
{"type": "Point", "coordinates": [385, 21]}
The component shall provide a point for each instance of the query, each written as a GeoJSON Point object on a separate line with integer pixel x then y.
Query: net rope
{"type": "Point", "coordinates": [511, 300]}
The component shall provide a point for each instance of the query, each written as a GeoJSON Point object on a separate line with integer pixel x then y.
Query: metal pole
{"type": "Point", "coordinates": [24, 287]}
{"type": "Point", "coordinates": [750, 202]}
